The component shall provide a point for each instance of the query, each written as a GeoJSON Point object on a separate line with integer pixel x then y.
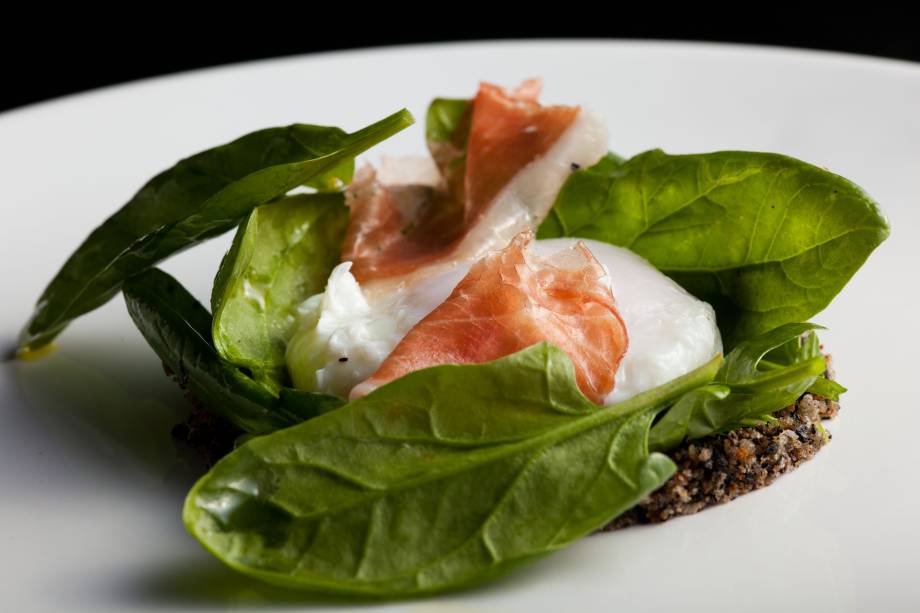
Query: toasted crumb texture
{"type": "Point", "coordinates": [710, 471]}
{"type": "Point", "coordinates": [720, 468]}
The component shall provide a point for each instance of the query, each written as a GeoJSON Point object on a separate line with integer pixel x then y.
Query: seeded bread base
{"type": "Point", "coordinates": [717, 469]}
{"type": "Point", "coordinates": [710, 471]}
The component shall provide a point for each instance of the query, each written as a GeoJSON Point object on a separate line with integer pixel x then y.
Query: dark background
{"type": "Point", "coordinates": [69, 56]}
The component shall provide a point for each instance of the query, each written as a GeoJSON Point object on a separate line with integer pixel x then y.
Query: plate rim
{"type": "Point", "coordinates": [651, 44]}
{"type": "Point", "coordinates": [86, 101]}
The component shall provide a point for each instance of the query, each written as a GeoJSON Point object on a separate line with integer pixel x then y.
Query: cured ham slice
{"type": "Point", "coordinates": [506, 134]}
{"type": "Point", "coordinates": [395, 229]}
{"type": "Point", "coordinates": [510, 300]}
{"type": "Point", "coordinates": [419, 224]}
{"type": "Point", "coordinates": [517, 156]}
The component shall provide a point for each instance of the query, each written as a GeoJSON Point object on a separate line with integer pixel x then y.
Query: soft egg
{"type": "Point", "coordinates": [345, 334]}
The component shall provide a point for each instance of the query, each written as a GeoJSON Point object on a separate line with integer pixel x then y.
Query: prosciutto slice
{"type": "Point", "coordinates": [417, 226]}
{"type": "Point", "coordinates": [517, 156]}
{"type": "Point", "coordinates": [511, 300]}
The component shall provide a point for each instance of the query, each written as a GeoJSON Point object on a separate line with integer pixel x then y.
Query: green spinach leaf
{"type": "Point", "coordinates": [798, 350]}
{"type": "Point", "coordinates": [742, 393]}
{"type": "Point", "coordinates": [178, 329]}
{"type": "Point", "coordinates": [447, 120]}
{"type": "Point", "coordinates": [447, 130]}
{"type": "Point", "coordinates": [282, 254]}
{"type": "Point", "coordinates": [198, 198]}
{"type": "Point", "coordinates": [587, 185]}
{"type": "Point", "coordinates": [826, 388]}
{"type": "Point", "coordinates": [441, 479]}
{"type": "Point", "coordinates": [764, 238]}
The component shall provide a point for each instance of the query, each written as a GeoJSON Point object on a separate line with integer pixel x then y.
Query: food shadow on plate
{"type": "Point", "coordinates": [205, 584]}
{"type": "Point", "coordinates": [102, 411]}
{"type": "Point", "coordinates": [100, 407]}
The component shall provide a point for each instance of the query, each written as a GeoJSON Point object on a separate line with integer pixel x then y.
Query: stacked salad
{"type": "Point", "coordinates": [427, 396]}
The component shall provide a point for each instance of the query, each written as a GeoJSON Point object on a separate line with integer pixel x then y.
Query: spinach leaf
{"type": "Point", "coordinates": [443, 478]}
{"type": "Point", "coordinates": [178, 329]}
{"type": "Point", "coordinates": [742, 393]}
{"type": "Point", "coordinates": [764, 238]}
{"type": "Point", "coordinates": [447, 120]}
{"type": "Point", "coordinates": [587, 185]}
{"type": "Point", "coordinates": [826, 388]}
{"type": "Point", "coordinates": [282, 254]}
{"type": "Point", "coordinates": [447, 130]}
{"type": "Point", "coordinates": [798, 350]}
{"type": "Point", "coordinates": [198, 198]}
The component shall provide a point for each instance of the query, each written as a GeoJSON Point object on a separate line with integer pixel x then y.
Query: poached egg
{"type": "Point", "coordinates": [345, 333]}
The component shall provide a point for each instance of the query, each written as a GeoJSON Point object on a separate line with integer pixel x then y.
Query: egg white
{"type": "Point", "coordinates": [670, 331]}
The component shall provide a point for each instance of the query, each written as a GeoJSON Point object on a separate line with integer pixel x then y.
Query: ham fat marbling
{"type": "Point", "coordinates": [510, 300]}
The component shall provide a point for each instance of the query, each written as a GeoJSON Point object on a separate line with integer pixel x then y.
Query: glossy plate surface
{"type": "Point", "coordinates": [90, 481]}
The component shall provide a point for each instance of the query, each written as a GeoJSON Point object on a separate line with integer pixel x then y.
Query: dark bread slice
{"type": "Point", "coordinates": [710, 471]}
{"type": "Point", "coordinates": [717, 469]}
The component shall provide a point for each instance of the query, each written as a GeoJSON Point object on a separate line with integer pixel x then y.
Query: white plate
{"type": "Point", "coordinates": [89, 509]}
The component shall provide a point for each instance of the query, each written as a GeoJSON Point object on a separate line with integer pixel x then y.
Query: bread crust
{"type": "Point", "coordinates": [710, 471]}
{"type": "Point", "coordinates": [717, 469]}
